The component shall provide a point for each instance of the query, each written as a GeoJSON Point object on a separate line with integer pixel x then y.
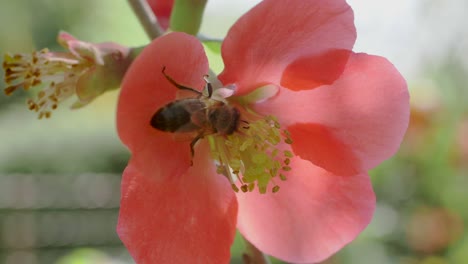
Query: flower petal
{"type": "Point", "coordinates": [145, 90]}
{"type": "Point", "coordinates": [319, 144]}
{"type": "Point", "coordinates": [313, 71]}
{"type": "Point", "coordinates": [90, 85]}
{"type": "Point", "coordinates": [189, 218]}
{"type": "Point", "coordinates": [63, 38]}
{"type": "Point", "coordinates": [313, 215]}
{"type": "Point", "coordinates": [162, 10]}
{"type": "Point", "coordinates": [352, 125]}
{"type": "Point", "coordinates": [279, 41]}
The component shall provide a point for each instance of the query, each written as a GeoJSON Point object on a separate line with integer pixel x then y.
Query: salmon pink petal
{"type": "Point", "coordinates": [312, 216]}
{"type": "Point", "coordinates": [298, 44]}
{"type": "Point", "coordinates": [318, 144]}
{"type": "Point", "coordinates": [313, 71]}
{"type": "Point", "coordinates": [145, 90]}
{"type": "Point", "coordinates": [188, 218]}
{"type": "Point", "coordinates": [162, 10]}
{"type": "Point", "coordinates": [352, 125]}
{"type": "Point", "coordinates": [64, 38]}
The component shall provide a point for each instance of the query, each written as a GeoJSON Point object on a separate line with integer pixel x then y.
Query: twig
{"type": "Point", "coordinates": [204, 38]}
{"type": "Point", "coordinates": [253, 255]}
{"type": "Point", "coordinates": [147, 19]}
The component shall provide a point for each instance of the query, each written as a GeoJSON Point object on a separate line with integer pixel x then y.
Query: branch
{"type": "Point", "coordinates": [253, 255]}
{"type": "Point", "coordinates": [147, 19]}
{"type": "Point", "coordinates": [205, 38]}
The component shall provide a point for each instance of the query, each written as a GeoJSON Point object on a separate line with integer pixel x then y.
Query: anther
{"type": "Point", "coordinates": [282, 177]}
{"type": "Point", "coordinates": [275, 189]}
{"type": "Point", "coordinates": [244, 188]}
{"type": "Point", "coordinates": [234, 187]}
{"type": "Point", "coordinates": [253, 155]}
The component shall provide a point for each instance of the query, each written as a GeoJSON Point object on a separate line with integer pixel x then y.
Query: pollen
{"type": "Point", "coordinates": [256, 156]}
{"type": "Point", "coordinates": [57, 73]}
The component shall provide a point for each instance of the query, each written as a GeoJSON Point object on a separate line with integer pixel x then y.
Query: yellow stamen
{"type": "Point", "coordinates": [251, 156]}
{"type": "Point", "coordinates": [58, 72]}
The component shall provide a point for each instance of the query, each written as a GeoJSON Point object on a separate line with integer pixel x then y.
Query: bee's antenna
{"type": "Point", "coordinates": [179, 86]}
{"type": "Point", "coordinates": [209, 87]}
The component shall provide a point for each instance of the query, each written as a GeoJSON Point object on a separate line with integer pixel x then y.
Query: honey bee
{"type": "Point", "coordinates": [201, 114]}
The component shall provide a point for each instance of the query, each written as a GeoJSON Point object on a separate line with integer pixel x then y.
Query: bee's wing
{"type": "Point", "coordinates": [189, 131]}
{"type": "Point", "coordinates": [199, 123]}
{"type": "Point", "coordinates": [198, 117]}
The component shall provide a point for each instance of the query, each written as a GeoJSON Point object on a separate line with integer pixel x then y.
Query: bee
{"type": "Point", "coordinates": [201, 114]}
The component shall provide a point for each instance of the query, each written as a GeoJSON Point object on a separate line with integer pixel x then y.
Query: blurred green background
{"type": "Point", "coordinates": [59, 178]}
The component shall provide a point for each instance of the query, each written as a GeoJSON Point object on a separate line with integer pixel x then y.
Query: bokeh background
{"type": "Point", "coordinates": [59, 178]}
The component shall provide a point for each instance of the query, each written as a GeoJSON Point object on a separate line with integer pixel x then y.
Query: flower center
{"type": "Point", "coordinates": [253, 156]}
{"type": "Point", "coordinates": [58, 72]}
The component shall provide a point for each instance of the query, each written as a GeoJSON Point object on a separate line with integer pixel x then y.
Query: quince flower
{"type": "Point", "coordinates": [87, 70]}
{"type": "Point", "coordinates": [317, 118]}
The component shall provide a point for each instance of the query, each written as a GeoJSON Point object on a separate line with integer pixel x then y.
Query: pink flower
{"type": "Point", "coordinates": [293, 77]}
{"type": "Point", "coordinates": [162, 10]}
{"type": "Point", "coordinates": [86, 70]}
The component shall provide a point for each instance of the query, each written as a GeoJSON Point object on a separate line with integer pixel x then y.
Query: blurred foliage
{"type": "Point", "coordinates": [59, 178]}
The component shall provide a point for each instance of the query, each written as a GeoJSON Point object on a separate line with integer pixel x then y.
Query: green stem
{"type": "Point", "coordinates": [253, 255]}
{"type": "Point", "coordinates": [147, 19]}
{"type": "Point", "coordinates": [187, 16]}
{"type": "Point", "coordinates": [204, 38]}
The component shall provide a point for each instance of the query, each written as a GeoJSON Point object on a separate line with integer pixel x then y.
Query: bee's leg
{"type": "Point", "coordinates": [192, 147]}
{"type": "Point", "coordinates": [247, 124]}
{"type": "Point", "coordinates": [179, 86]}
{"type": "Point", "coordinates": [208, 86]}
